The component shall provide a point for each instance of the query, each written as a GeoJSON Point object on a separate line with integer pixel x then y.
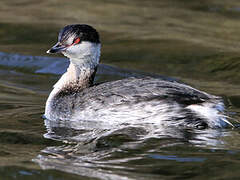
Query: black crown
{"type": "Point", "coordinates": [82, 31]}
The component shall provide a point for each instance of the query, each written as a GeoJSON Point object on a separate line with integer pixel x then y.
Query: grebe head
{"type": "Point", "coordinates": [80, 43]}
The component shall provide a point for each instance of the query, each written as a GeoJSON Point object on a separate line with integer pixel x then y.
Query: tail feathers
{"type": "Point", "coordinates": [214, 114]}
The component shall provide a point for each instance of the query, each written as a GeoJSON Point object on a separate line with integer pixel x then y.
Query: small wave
{"type": "Point", "coordinates": [36, 64]}
{"type": "Point", "coordinates": [57, 65]}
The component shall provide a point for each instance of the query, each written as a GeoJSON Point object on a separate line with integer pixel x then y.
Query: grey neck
{"type": "Point", "coordinates": [76, 78]}
{"type": "Point", "coordinates": [84, 59]}
{"type": "Point", "coordinates": [80, 74]}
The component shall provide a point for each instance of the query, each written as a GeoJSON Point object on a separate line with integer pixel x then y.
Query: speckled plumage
{"type": "Point", "coordinates": [129, 101]}
{"type": "Point", "coordinates": [140, 100]}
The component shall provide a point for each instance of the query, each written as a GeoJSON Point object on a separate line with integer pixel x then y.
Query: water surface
{"type": "Point", "coordinates": [194, 42]}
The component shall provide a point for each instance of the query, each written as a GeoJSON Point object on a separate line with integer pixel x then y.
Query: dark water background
{"type": "Point", "coordinates": [197, 42]}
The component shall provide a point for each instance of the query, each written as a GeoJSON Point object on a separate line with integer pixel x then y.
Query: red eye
{"type": "Point", "coordinates": [77, 41]}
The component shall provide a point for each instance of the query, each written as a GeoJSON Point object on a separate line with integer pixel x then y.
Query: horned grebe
{"type": "Point", "coordinates": [131, 100]}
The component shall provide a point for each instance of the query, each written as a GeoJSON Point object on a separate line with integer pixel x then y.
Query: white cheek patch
{"type": "Point", "coordinates": [84, 52]}
{"type": "Point", "coordinates": [70, 40]}
{"type": "Point", "coordinates": [82, 49]}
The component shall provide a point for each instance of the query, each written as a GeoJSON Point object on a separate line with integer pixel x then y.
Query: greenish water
{"type": "Point", "coordinates": [195, 42]}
